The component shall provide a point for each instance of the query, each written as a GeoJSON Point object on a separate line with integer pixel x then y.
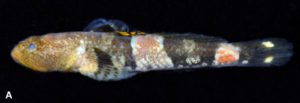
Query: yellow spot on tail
{"type": "Point", "coordinates": [268, 44]}
{"type": "Point", "coordinates": [269, 59]}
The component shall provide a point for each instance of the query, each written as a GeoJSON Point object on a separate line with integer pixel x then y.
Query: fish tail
{"type": "Point", "coordinates": [265, 52]}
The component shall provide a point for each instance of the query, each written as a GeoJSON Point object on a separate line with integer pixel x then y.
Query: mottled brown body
{"type": "Point", "coordinates": [109, 56]}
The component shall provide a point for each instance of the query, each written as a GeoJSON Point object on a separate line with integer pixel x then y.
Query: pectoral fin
{"type": "Point", "coordinates": [107, 71]}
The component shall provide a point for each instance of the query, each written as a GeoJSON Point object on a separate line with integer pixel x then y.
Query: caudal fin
{"type": "Point", "coordinates": [265, 52]}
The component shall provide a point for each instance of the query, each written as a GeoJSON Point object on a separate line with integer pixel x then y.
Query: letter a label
{"type": "Point", "coordinates": [8, 95]}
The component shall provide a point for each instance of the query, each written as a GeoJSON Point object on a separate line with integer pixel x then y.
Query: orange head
{"type": "Point", "coordinates": [51, 52]}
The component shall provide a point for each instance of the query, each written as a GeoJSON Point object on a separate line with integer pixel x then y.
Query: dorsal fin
{"type": "Point", "coordinates": [105, 25]}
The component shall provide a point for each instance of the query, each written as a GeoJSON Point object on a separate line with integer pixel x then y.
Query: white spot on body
{"type": "Point", "coordinates": [134, 45]}
{"type": "Point", "coordinates": [160, 39]}
{"type": "Point", "coordinates": [245, 62]}
{"type": "Point", "coordinates": [193, 60]}
{"type": "Point", "coordinates": [269, 59]}
{"type": "Point", "coordinates": [268, 44]}
{"type": "Point", "coordinates": [81, 48]}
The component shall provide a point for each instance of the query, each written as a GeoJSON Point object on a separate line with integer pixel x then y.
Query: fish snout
{"type": "Point", "coordinates": [15, 54]}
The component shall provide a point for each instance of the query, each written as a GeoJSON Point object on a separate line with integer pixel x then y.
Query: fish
{"type": "Point", "coordinates": [107, 50]}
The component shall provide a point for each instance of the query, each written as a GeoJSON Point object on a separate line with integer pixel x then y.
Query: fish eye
{"type": "Point", "coordinates": [31, 47]}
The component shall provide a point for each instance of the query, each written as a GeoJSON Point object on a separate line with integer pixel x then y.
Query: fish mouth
{"type": "Point", "coordinates": [15, 54]}
{"type": "Point", "coordinates": [18, 57]}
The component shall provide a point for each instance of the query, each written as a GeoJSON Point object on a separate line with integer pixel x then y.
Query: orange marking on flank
{"type": "Point", "coordinates": [226, 56]}
{"type": "Point", "coordinates": [227, 59]}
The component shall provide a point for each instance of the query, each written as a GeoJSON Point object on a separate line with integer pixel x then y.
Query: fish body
{"type": "Point", "coordinates": [108, 55]}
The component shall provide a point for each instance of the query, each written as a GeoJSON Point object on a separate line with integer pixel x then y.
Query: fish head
{"type": "Point", "coordinates": [45, 53]}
